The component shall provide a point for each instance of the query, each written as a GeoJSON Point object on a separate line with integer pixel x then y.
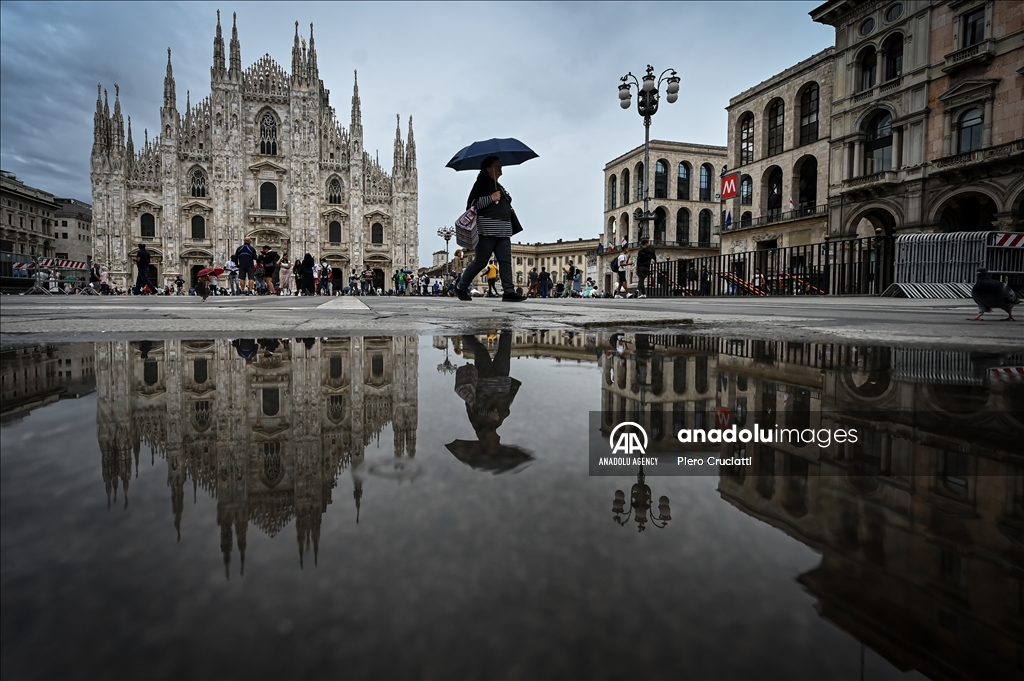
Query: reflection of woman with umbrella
{"type": "Point", "coordinates": [207, 278]}
{"type": "Point", "coordinates": [496, 221]}
{"type": "Point", "coordinates": [488, 392]}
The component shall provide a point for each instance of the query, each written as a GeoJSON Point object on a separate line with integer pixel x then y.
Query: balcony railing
{"type": "Point", "coordinates": [773, 218]}
{"type": "Point", "coordinates": [874, 179]}
{"type": "Point", "coordinates": [980, 155]}
{"type": "Point", "coordinates": [980, 52]}
{"type": "Point", "coordinates": [861, 96]}
{"type": "Point", "coordinates": [890, 85]}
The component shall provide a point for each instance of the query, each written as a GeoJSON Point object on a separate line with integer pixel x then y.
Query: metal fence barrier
{"type": "Point", "coordinates": [849, 267]}
{"type": "Point", "coordinates": [946, 265]}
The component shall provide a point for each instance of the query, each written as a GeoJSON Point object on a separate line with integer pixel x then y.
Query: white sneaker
{"type": "Point", "coordinates": [641, 296]}
{"type": "Point", "coordinates": [617, 296]}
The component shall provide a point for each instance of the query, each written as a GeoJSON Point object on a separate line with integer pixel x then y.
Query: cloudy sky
{"type": "Point", "coordinates": [546, 73]}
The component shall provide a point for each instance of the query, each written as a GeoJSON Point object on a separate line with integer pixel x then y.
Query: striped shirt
{"type": "Point", "coordinates": [490, 226]}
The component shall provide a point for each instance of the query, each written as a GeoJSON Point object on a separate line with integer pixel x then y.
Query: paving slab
{"type": "Point", "coordinates": [922, 323]}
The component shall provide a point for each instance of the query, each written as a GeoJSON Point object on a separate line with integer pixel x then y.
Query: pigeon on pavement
{"type": "Point", "coordinates": [991, 293]}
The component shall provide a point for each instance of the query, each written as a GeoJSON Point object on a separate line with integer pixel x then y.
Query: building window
{"type": "Point", "coordinates": [661, 180]}
{"type": "Point", "coordinates": [868, 64]}
{"type": "Point", "coordinates": [197, 182]}
{"type": "Point", "coordinates": [200, 371]}
{"type": "Point", "coordinates": [268, 135]}
{"type": "Point", "coordinates": [377, 233]}
{"type": "Point", "coordinates": [334, 232]}
{"type": "Point", "coordinates": [893, 57]}
{"type": "Point", "coordinates": [334, 191]}
{"type": "Point", "coordinates": [746, 191]}
{"type": "Point", "coordinates": [683, 226]}
{"type": "Point", "coordinates": [705, 182]}
{"type": "Point", "coordinates": [268, 196]}
{"type": "Point", "coordinates": [519, 261]}
{"type": "Point", "coordinates": [878, 149]}
{"type": "Point", "coordinates": [613, 192]}
{"type": "Point", "coordinates": [867, 26]}
{"type": "Point", "coordinates": [809, 114]}
{"type": "Point", "coordinates": [63, 223]}
{"type": "Point", "coordinates": [894, 12]}
{"type": "Point", "coordinates": [747, 139]}
{"type": "Point", "coordinates": [704, 228]}
{"type": "Point", "coordinates": [969, 131]}
{"type": "Point", "coordinates": [974, 27]}
{"type": "Point", "coordinates": [271, 401]}
{"type": "Point", "coordinates": [808, 189]}
{"type": "Point", "coordinates": [625, 186]}
{"type": "Point", "coordinates": [150, 372]}
{"type": "Point", "coordinates": [747, 219]}
{"type": "Point", "coordinates": [683, 182]}
{"type": "Point", "coordinates": [774, 193]}
{"type": "Point", "coordinates": [639, 170]}
{"type": "Point", "coordinates": [198, 227]}
{"type": "Point", "coordinates": [776, 123]}
{"type": "Point", "coordinates": [660, 225]}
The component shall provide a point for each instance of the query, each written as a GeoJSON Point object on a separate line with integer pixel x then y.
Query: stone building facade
{"type": "Point", "coordinates": [26, 225]}
{"type": "Point", "coordinates": [927, 116]}
{"type": "Point", "coordinates": [262, 156]}
{"type": "Point", "coordinates": [779, 146]}
{"type": "Point", "coordinates": [683, 184]}
{"type": "Point", "coordinates": [72, 230]}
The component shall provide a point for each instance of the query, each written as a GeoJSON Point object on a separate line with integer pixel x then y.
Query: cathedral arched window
{"type": "Point", "coordinates": [197, 182]}
{"type": "Point", "coordinates": [271, 401]}
{"type": "Point", "coordinates": [150, 372]}
{"type": "Point", "coordinates": [148, 224]}
{"type": "Point", "coordinates": [268, 135]}
{"type": "Point", "coordinates": [334, 232]}
{"type": "Point", "coordinates": [334, 191]}
{"type": "Point", "coordinates": [377, 233]}
{"type": "Point", "coordinates": [198, 227]}
{"type": "Point", "coordinates": [268, 196]}
{"type": "Point", "coordinates": [200, 371]}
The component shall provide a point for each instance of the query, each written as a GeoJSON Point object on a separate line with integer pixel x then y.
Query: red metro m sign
{"type": "Point", "coordinates": [729, 183]}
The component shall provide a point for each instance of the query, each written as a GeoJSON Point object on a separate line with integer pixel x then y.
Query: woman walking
{"type": "Point", "coordinates": [308, 287]}
{"type": "Point", "coordinates": [284, 276]}
{"type": "Point", "coordinates": [494, 223]}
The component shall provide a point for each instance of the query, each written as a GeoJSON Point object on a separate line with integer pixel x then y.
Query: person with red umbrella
{"type": "Point", "coordinates": [207, 278]}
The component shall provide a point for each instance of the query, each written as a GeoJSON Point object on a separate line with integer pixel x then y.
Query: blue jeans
{"type": "Point", "coordinates": [501, 248]}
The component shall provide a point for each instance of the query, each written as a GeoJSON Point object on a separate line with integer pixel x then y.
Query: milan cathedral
{"type": "Point", "coordinates": [263, 156]}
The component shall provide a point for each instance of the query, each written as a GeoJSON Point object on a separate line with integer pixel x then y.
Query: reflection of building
{"type": "Point", "coordinates": [36, 375]}
{"type": "Point", "coordinates": [263, 156]}
{"type": "Point", "coordinates": [267, 437]}
{"type": "Point", "coordinates": [920, 523]}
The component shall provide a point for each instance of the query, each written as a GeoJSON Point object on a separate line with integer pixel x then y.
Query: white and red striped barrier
{"type": "Point", "coordinates": [1010, 240]}
{"type": "Point", "coordinates": [53, 262]}
{"type": "Point", "coordinates": [1006, 374]}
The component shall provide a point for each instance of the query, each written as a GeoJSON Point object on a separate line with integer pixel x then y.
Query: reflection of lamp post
{"type": "Point", "coordinates": [446, 367]}
{"type": "Point", "coordinates": [446, 233]}
{"type": "Point", "coordinates": [640, 502]}
{"type": "Point", "coordinates": [647, 106]}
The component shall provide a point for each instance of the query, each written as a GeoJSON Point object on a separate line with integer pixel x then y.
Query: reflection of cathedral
{"type": "Point", "coordinates": [920, 524]}
{"type": "Point", "coordinates": [267, 436]}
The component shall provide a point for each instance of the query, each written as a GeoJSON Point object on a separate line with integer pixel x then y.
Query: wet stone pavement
{"type": "Point", "coordinates": [422, 506]}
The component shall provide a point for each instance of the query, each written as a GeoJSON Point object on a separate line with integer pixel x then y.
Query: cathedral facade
{"type": "Point", "coordinates": [263, 156]}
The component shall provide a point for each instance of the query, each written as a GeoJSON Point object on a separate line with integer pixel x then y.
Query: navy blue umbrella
{"type": "Point", "coordinates": [511, 152]}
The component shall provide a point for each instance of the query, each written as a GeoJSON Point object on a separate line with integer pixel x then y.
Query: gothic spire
{"type": "Point", "coordinates": [169, 97]}
{"type": "Point", "coordinates": [399, 158]}
{"type": "Point", "coordinates": [130, 144]}
{"type": "Point", "coordinates": [97, 119]}
{"type": "Point", "coordinates": [296, 54]}
{"type": "Point", "coordinates": [314, 71]}
{"type": "Point", "coordinates": [357, 114]}
{"type": "Point", "coordinates": [236, 47]}
{"type": "Point", "coordinates": [410, 148]}
{"type": "Point", "coordinates": [218, 49]}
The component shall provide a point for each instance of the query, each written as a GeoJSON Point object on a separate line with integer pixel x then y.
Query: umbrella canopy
{"type": "Point", "coordinates": [511, 152]}
{"type": "Point", "coordinates": [210, 270]}
{"type": "Point", "coordinates": [496, 459]}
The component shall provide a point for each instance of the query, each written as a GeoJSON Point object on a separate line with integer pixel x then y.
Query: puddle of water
{"type": "Point", "coordinates": [421, 507]}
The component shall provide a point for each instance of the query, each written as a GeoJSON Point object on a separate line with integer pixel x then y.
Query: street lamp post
{"type": "Point", "coordinates": [446, 233]}
{"type": "Point", "coordinates": [647, 105]}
